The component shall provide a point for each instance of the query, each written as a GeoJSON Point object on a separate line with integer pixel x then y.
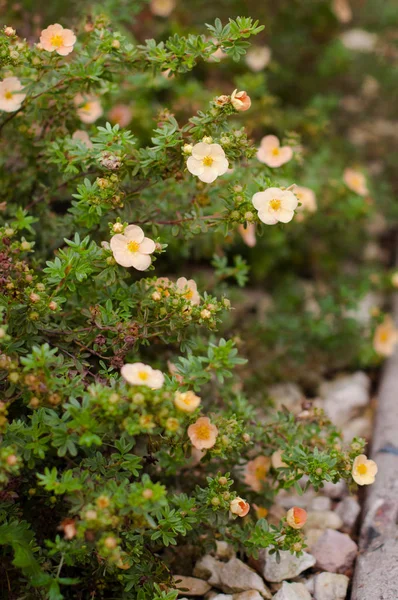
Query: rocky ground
{"type": "Point", "coordinates": [324, 571]}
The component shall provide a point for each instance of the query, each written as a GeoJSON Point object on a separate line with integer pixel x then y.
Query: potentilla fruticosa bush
{"type": "Point", "coordinates": [125, 428]}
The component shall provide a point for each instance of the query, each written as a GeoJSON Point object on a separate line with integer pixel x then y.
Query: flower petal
{"type": "Point", "coordinates": [221, 164]}
{"type": "Point", "coordinates": [289, 200]}
{"type": "Point", "coordinates": [284, 215]}
{"type": "Point", "coordinates": [201, 150]}
{"type": "Point", "coordinates": [216, 151]}
{"type": "Point", "coordinates": [209, 175]}
{"type": "Point", "coordinates": [140, 261]}
{"type": "Point", "coordinates": [147, 246]}
{"type": "Point", "coordinates": [267, 218]}
{"type": "Point", "coordinates": [118, 242]}
{"type": "Point", "coordinates": [134, 233]}
{"type": "Point", "coordinates": [195, 166]}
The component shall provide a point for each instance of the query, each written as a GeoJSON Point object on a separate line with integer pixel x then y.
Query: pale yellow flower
{"type": "Point", "coordinates": [272, 153]}
{"type": "Point", "coordinates": [275, 205]}
{"type": "Point", "coordinates": [248, 234]}
{"type": "Point", "coordinates": [162, 8]}
{"type": "Point", "coordinates": [240, 101]}
{"type": "Point", "coordinates": [10, 94]}
{"type": "Point", "coordinates": [296, 517]}
{"type": "Point", "coordinates": [364, 470]}
{"type": "Point", "coordinates": [276, 460]}
{"type": "Point", "coordinates": [258, 58]}
{"type": "Point", "coordinates": [355, 181]}
{"type": "Point", "coordinates": [132, 249]}
{"type": "Point", "coordinates": [187, 402]}
{"type": "Point", "coordinates": [239, 507]}
{"type": "Point", "coordinates": [203, 434]}
{"type": "Point", "coordinates": [55, 37]}
{"type": "Point", "coordinates": [120, 114]}
{"type": "Point", "coordinates": [207, 162]}
{"type": "Point", "coordinates": [385, 337]}
{"type": "Point", "coordinates": [88, 107]}
{"type": "Point", "coordinates": [256, 472]}
{"type": "Point", "coordinates": [308, 201]}
{"type": "Point", "coordinates": [188, 289]}
{"type": "Point", "coordinates": [141, 374]}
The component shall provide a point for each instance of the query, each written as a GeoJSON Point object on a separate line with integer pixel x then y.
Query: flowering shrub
{"type": "Point", "coordinates": [126, 430]}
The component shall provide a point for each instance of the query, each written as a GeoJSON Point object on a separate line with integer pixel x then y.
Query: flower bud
{"type": "Point", "coordinates": [296, 517]}
{"type": "Point", "coordinates": [240, 101]}
{"type": "Point", "coordinates": [239, 507]}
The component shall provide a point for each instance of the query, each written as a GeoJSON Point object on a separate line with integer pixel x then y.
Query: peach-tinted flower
{"type": "Point", "coordinates": [68, 526]}
{"type": "Point", "coordinates": [120, 114]}
{"type": "Point", "coordinates": [258, 58]}
{"type": "Point", "coordinates": [55, 37]}
{"type": "Point", "coordinates": [239, 507]}
{"type": "Point", "coordinates": [359, 40]}
{"type": "Point", "coordinates": [276, 460]}
{"type": "Point", "coordinates": [261, 511]}
{"type": "Point", "coordinates": [342, 10]}
{"type": "Point", "coordinates": [174, 372]}
{"type": "Point", "coordinates": [222, 101]}
{"type": "Point", "coordinates": [89, 108]}
{"type": "Point", "coordinates": [275, 205]}
{"type": "Point", "coordinates": [188, 289]}
{"type": "Point", "coordinates": [140, 374]}
{"type": "Point", "coordinates": [385, 337]}
{"type": "Point", "coordinates": [394, 279]}
{"type": "Point", "coordinates": [83, 137]}
{"type": "Point", "coordinates": [248, 234]}
{"type": "Point", "coordinates": [202, 433]}
{"type": "Point", "coordinates": [162, 8]}
{"type": "Point", "coordinates": [132, 248]}
{"type": "Point", "coordinates": [296, 517]}
{"type": "Point", "coordinates": [10, 94]}
{"type": "Point", "coordinates": [256, 472]}
{"type": "Point", "coordinates": [355, 180]}
{"type": "Point", "coordinates": [188, 402]}
{"type": "Point", "coordinates": [207, 162]}
{"type": "Point", "coordinates": [272, 153]}
{"type": "Point", "coordinates": [240, 101]}
{"type": "Point", "coordinates": [364, 470]}
{"type": "Point", "coordinates": [308, 201]}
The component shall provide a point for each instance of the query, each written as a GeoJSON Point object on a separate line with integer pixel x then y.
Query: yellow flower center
{"type": "Point", "coordinates": [275, 204]}
{"type": "Point", "coordinates": [384, 335]}
{"type": "Point", "coordinates": [86, 107]}
{"type": "Point", "coordinates": [362, 469]}
{"type": "Point", "coordinates": [203, 432]}
{"type": "Point", "coordinates": [208, 161]}
{"type": "Point", "coordinates": [260, 473]}
{"type": "Point", "coordinates": [188, 295]}
{"type": "Point", "coordinates": [57, 40]}
{"type": "Point", "coordinates": [133, 246]}
{"type": "Point", "coordinates": [8, 95]}
{"type": "Point", "coordinates": [275, 151]}
{"type": "Point", "coordinates": [143, 375]}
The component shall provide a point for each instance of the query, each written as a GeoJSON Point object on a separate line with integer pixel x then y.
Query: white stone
{"type": "Point", "coordinates": [236, 577]}
{"type": "Point", "coordinates": [335, 490]}
{"type": "Point", "coordinates": [224, 551]}
{"type": "Point", "coordinates": [330, 586]}
{"type": "Point", "coordinates": [345, 396]}
{"type": "Point", "coordinates": [289, 566]}
{"type": "Point", "coordinates": [208, 568]}
{"type": "Point", "coordinates": [292, 591]}
{"type": "Point", "coordinates": [348, 509]}
{"type": "Point", "coordinates": [358, 427]}
{"type": "Point", "coordinates": [249, 595]}
{"type": "Point", "coordinates": [311, 537]}
{"type": "Point", "coordinates": [323, 519]}
{"type": "Point", "coordinates": [334, 552]}
{"type": "Point", "coordinates": [321, 503]}
{"type": "Point", "coordinates": [190, 586]}
{"type": "Point", "coordinates": [286, 394]}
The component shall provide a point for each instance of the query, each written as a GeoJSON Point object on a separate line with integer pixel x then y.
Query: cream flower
{"type": "Point", "coordinates": [296, 517]}
{"type": "Point", "coordinates": [275, 205]}
{"type": "Point", "coordinates": [203, 434]}
{"type": "Point", "coordinates": [188, 289]}
{"type": "Point", "coordinates": [394, 279]}
{"type": "Point", "coordinates": [207, 162]}
{"type": "Point", "coordinates": [140, 374]}
{"type": "Point", "coordinates": [308, 201]}
{"type": "Point", "coordinates": [83, 137]}
{"type": "Point", "coordinates": [385, 337]}
{"type": "Point", "coordinates": [132, 248]}
{"type": "Point", "coordinates": [89, 108]}
{"type": "Point", "coordinates": [188, 402]}
{"type": "Point", "coordinates": [256, 471]}
{"type": "Point", "coordinates": [248, 234]}
{"type": "Point", "coordinates": [355, 180]}
{"type": "Point", "coordinates": [364, 470]}
{"type": "Point", "coordinates": [342, 10]}
{"type": "Point", "coordinates": [240, 101]}
{"type": "Point", "coordinates": [272, 153]}
{"type": "Point", "coordinates": [276, 460]}
{"type": "Point", "coordinates": [55, 37]}
{"type": "Point", "coordinates": [258, 58]}
{"type": "Point", "coordinates": [120, 114]}
{"type": "Point", "coordinates": [162, 8]}
{"type": "Point", "coordinates": [239, 507]}
{"type": "Point", "coordinates": [359, 40]}
{"type": "Point", "coordinates": [10, 94]}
